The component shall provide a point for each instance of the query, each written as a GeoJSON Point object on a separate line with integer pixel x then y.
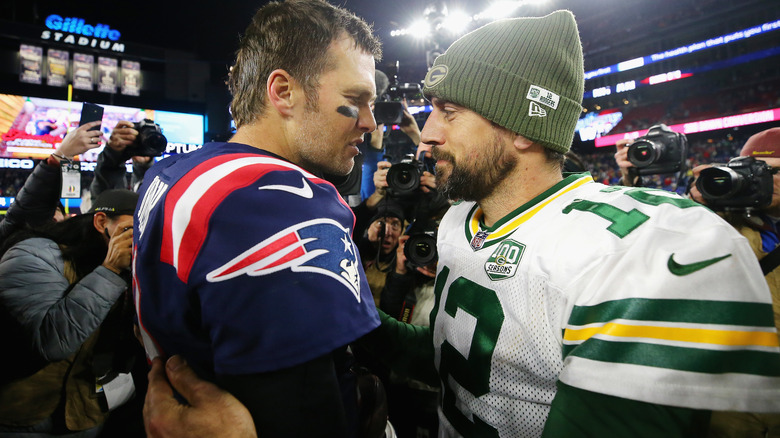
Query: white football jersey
{"type": "Point", "coordinates": [635, 293]}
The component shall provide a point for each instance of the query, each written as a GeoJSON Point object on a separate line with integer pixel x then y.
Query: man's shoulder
{"type": "Point", "coordinates": [215, 160]}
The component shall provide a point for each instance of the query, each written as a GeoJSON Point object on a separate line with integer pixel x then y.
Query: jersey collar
{"type": "Point", "coordinates": [509, 223]}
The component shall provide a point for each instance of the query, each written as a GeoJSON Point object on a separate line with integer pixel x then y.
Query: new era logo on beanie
{"type": "Point", "coordinates": [525, 74]}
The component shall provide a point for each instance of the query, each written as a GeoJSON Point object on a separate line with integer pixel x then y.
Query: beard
{"type": "Point", "coordinates": [477, 180]}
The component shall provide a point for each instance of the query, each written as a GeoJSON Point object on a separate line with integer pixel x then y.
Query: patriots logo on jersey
{"type": "Point", "coordinates": [303, 247]}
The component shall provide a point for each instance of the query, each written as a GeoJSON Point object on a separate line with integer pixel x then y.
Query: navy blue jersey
{"type": "Point", "coordinates": [244, 262]}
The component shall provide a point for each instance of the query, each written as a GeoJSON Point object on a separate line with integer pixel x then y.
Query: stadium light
{"type": "Point", "coordinates": [456, 22]}
{"type": "Point", "coordinates": [500, 9]}
{"type": "Point", "coordinates": [420, 29]}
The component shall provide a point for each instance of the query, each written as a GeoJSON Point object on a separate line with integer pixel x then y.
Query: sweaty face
{"type": "Point", "coordinates": [471, 153]}
{"type": "Point", "coordinates": [329, 133]}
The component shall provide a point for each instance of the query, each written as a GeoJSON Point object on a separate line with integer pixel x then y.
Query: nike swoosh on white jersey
{"type": "Point", "coordinates": [303, 192]}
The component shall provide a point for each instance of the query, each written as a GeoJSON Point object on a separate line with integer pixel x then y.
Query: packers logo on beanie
{"type": "Point", "coordinates": [525, 74]}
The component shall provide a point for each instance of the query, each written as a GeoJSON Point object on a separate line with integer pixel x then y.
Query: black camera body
{"type": "Point", "coordinates": [150, 141]}
{"type": "Point", "coordinates": [661, 150]}
{"type": "Point", "coordinates": [389, 110]}
{"type": "Point", "coordinates": [420, 249]}
{"type": "Point", "coordinates": [744, 184]}
{"type": "Point", "coordinates": [403, 178]}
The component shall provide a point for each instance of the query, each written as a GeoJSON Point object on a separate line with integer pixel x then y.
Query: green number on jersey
{"type": "Point", "coordinates": [646, 196]}
{"type": "Point", "coordinates": [472, 373]}
{"type": "Point", "coordinates": [624, 222]}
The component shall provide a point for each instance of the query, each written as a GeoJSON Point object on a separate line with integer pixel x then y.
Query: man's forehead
{"type": "Point", "coordinates": [439, 102]}
{"type": "Point", "coordinates": [352, 67]}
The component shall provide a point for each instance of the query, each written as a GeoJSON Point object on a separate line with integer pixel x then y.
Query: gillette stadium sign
{"type": "Point", "coordinates": [75, 31]}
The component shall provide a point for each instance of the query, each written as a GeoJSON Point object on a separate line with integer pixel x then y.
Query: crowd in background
{"type": "Point", "coordinates": [703, 149]}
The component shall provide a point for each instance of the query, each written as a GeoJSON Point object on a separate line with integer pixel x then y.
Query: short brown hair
{"type": "Point", "coordinates": [294, 36]}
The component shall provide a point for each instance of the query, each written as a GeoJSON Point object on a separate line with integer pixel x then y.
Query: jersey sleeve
{"type": "Point", "coordinates": [407, 349]}
{"type": "Point", "coordinates": [575, 412]}
{"type": "Point", "coordinates": [678, 315]}
{"type": "Point", "coordinates": [277, 277]}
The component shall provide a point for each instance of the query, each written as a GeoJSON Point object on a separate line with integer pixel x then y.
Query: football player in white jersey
{"type": "Point", "coordinates": [565, 307]}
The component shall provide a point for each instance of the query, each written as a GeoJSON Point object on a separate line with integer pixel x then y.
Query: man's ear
{"type": "Point", "coordinates": [281, 90]}
{"type": "Point", "coordinates": [100, 221]}
{"type": "Point", "coordinates": [522, 143]}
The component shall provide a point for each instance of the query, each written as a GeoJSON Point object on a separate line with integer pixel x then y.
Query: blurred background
{"type": "Point", "coordinates": [708, 68]}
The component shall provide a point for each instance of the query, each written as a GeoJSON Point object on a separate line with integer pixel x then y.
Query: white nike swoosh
{"type": "Point", "coordinates": [303, 192]}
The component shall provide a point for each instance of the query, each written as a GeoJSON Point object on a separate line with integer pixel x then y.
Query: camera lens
{"type": "Point", "coordinates": [388, 113]}
{"type": "Point", "coordinates": [403, 179]}
{"type": "Point", "coordinates": [153, 140]}
{"type": "Point", "coordinates": [719, 182]}
{"type": "Point", "coordinates": [420, 249]}
{"type": "Point", "coordinates": [643, 153]}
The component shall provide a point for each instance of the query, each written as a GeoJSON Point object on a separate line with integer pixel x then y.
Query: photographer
{"type": "Point", "coordinates": [124, 144]}
{"type": "Point", "coordinates": [426, 189]}
{"type": "Point", "coordinates": [760, 228]}
{"type": "Point", "coordinates": [67, 322]}
{"type": "Point", "coordinates": [36, 202]}
{"type": "Point", "coordinates": [393, 144]}
{"type": "Point", "coordinates": [378, 244]}
{"type": "Point", "coordinates": [660, 151]}
{"type": "Point", "coordinates": [409, 296]}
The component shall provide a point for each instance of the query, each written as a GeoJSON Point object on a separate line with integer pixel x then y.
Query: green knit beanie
{"type": "Point", "coordinates": [525, 74]}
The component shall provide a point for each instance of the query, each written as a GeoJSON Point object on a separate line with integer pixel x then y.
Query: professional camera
{"type": "Point", "coordinates": [743, 184]}
{"type": "Point", "coordinates": [661, 150]}
{"type": "Point", "coordinates": [150, 141]}
{"type": "Point", "coordinates": [388, 109]}
{"type": "Point", "coordinates": [403, 178]}
{"type": "Point", "coordinates": [420, 249]}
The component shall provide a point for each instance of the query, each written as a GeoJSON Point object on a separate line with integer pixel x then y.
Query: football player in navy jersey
{"type": "Point", "coordinates": [244, 263]}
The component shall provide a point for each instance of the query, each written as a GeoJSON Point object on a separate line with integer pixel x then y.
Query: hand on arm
{"type": "Point", "coordinates": [211, 412]}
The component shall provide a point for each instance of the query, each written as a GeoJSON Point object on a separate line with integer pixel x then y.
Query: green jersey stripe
{"type": "Point", "coordinates": [676, 310]}
{"type": "Point", "coordinates": [696, 360]}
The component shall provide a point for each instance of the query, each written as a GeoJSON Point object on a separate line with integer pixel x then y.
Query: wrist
{"type": "Point", "coordinates": [53, 161]}
{"type": "Point", "coordinates": [112, 268]}
{"type": "Point", "coordinates": [60, 156]}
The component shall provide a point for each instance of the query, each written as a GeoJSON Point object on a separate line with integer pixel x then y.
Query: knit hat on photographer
{"type": "Point", "coordinates": [765, 144]}
{"type": "Point", "coordinates": [524, 74]}
{"type": "Point", "coordinates": [115, 202]}
{"type": "Point", "coordinates": [388, 208]}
